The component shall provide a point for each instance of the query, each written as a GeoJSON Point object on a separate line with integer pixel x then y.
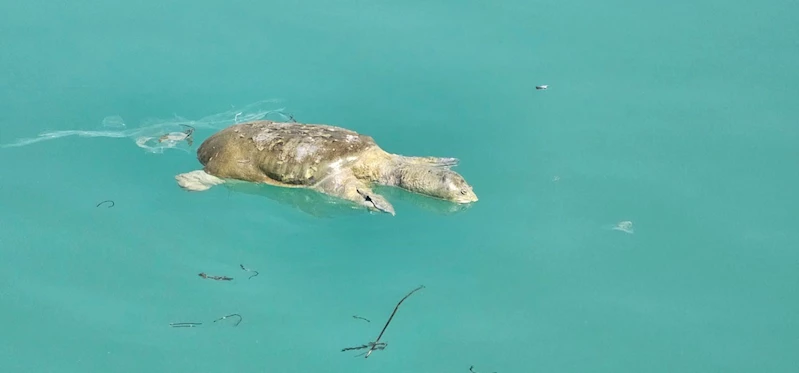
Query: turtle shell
{"type": "Point", "coordinates": [287, 154]}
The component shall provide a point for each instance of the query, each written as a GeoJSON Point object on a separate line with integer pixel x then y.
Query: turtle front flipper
{"type": "Point", "coordinates": [345, 185]}
{"type": "Point", "coordinates": [374, 201]}
{"type": "Point", "coordinates": [196, 181]}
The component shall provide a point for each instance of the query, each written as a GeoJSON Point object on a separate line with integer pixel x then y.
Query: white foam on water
{"type": "Point", "coordinates": [624, 226]}
{"type": "Point", "coordinates": [147, 135]}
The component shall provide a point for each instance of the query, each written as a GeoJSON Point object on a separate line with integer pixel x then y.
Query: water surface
{"type": "Point", "coordinates": [678, 116]}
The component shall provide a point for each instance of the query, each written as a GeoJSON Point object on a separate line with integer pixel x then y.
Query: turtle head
{"type": "Point", "coordinates": [437, 181]}
{"type": "Point", "coordinates": [455, 188]}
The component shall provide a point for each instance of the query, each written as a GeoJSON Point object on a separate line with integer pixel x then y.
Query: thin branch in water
{"type": "Point", "coordinates": [372, 346]}
{"type": "Point", "coordinates": [206, 276]}
{"type": "Point", "coordinates": [355, 348]}
{"type": "Point", "coordinates": [376, 344]}
{"type": "Point", "coordinates": [360, 318]}
{"type": "Point", "coordinates": [248, 270]}
{"type": "Point", "coordinates": [471, 369]}
{"type": "Point", "coordinates": [112, 203]}
{"type": "Point", "coordinates": [395, 311]}
{"type": "Point", "coordinates": [232, 314]}
{"type": "Point", "coordinates": [193, 324]}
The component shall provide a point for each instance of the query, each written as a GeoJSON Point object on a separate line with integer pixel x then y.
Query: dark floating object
{"type": "Point", "coordinates": [206, 276]}
{"type": "Point", "coordinates": [193, 324]}
{"type": "Point", "coordinates": [248, 270]}
{"type": "Point", "coordinates": [178, 136]}
{"type": "Point", "coordinates": [289, 115]}
{"type": "Point", "coordinates": [189, 132]}
{"type": "Point", "coordinates": [377, 345]}
{"type": "Point", "coordinates": [372, 346]}
{"type": "Point", "coordinates": [541, 86]}
{"type": "Point", "coordinates": [361, 318]}
{"type": "Point", "coordinates": [232, 314]}
{"type": "Point", "coordinates": [112, 203]}
{"type": "Point", "coordinates": [471, 369]}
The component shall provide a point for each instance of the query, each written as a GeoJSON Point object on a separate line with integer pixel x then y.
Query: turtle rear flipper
{"type": "Point", "coordinates": [197, 181]}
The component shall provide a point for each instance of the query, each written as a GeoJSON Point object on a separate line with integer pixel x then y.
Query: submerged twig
{"type": "Point", "coordinates": [232, 314]}
{"type": "Point", "coordinates": [372, 346]}
{"type": "Point", "coordinates": [361, 318]}
{"type": "Point", "coordinates": [471, 369]}
{"type": "Point", "coordinates": [376, 344]}
{"type": "Point", "coordinates": [206, 276]}
{"type": "Point", "coordinates": [193, 324]}
{"type": "Point", "coordinates": [395, 311]}
{"type": "Point", "coordinates": [112, 203]}
{"type": "Point", "coordinates": [248, 270]}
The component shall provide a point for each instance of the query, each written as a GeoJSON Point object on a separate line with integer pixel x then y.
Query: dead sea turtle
{"type": "Point", "coordinates": [328, 159]}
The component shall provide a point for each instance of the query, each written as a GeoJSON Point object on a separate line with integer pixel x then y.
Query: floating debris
{"type": "Point", "coordinates": [372, 346]}
{"type": "Point", "coordinates": [471, 369]}
{"type": "Point", "coordinates": [112, 203]}
{"type": "Point", "coordinates": [541, 86]}
{"type": "Point", "coordinates": [232, 314]}
{"type": "Point", "coordinates": [248, 270]}
{"type": "Point", "coordinates": [175, 137]}
{"type": "Point", "coordinates": [376, 344]}
{"type": "Point", "coordinates": [194, 324]}
{"type": "Point", "coordinates": [206, 276]}
{"type": "Point", "coordinates": [360, 318]}
{"type": "Point", "coordinates": [624, 226]}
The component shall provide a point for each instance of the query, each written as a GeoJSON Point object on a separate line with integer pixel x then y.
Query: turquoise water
{"type": "Point", "coordinates": [680, 117]}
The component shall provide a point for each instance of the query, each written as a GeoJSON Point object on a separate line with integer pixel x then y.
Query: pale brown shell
{"type": "Point", "coordinates": [288, 154]}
